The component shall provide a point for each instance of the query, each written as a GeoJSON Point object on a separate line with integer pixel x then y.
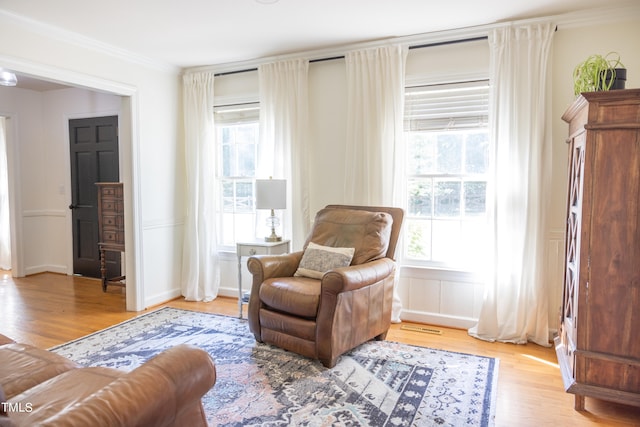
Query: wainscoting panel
{"type": "Point", "coordinates": [439, 297]}
{"type": "Point", "coordinates": [421, 294]}
{"type": "Point", "coordinates": [43, 241]}
{"type": "Point", "coordinates": [436, 297]}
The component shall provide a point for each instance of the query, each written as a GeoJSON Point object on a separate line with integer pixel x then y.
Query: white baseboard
{"type": "Point", "coordinates": [228, 292]}
{"type": "Point", "coordinates": [36, 269]}
{"type": "Point", "coordinates": [162, 297]}
{"type": "Point", "coordinates": [437, 319]}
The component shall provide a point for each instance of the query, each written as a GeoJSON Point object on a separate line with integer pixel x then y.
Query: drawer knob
{"type": "Point", "coordinates": [252, 251]}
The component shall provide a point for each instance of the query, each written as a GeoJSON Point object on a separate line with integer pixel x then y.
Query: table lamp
{"type": "Point", "coordinates": [271, 194]}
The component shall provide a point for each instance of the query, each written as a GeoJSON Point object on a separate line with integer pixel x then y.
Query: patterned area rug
{"type": "Point", "coordinates": [377, 384]}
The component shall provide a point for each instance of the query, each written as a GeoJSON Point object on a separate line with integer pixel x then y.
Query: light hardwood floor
{"type": "Point", "coordinates": [49, 309]}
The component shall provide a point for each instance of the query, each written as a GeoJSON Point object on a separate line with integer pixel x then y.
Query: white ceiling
{"type": "Point", "coordinates": [190, 33]}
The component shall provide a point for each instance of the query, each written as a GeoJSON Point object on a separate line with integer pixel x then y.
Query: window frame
{"type": "Point", "coordinates": [235, 120]}
{"type": "Point", "coordinates": [463, 219]}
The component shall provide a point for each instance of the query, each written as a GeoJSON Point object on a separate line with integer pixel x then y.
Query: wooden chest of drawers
{"type": "Point", "coordinates": [111, 214]}
{"type": "Point", "coordinates": [110, 225]}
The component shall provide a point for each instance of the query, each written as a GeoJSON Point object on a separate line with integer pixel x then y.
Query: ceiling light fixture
{"type": "Point", "coordinates": [7, 78]}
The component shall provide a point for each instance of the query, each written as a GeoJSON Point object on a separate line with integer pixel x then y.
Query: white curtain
{"type": "Point", "coordinates": [374, 153]}
{"type": "Point", "coordinates": [375, 109]}
{"type": "Point", "coordinates": [515, 307]}
{"type": "Point", "coordinates": [284, 109]}
{"type": "Point", "coordinates": [5, 231]}
{"type": "Point", "coordinates": [200, 272]}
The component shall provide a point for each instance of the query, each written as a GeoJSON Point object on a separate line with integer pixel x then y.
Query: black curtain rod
{"type": "Point", "coordinates": [234, 72]}
{"type": "Point", "coordinates": [473, 39]}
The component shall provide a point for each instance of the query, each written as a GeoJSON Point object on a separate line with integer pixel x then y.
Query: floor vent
{"type": "Point", "coordinates": [424, 329]}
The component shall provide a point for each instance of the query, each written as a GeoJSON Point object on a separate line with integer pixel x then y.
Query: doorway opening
{"type": "Point", "coordinates": [29, 251]}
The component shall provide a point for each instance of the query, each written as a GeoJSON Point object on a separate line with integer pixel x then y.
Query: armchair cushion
{"type": "Point", "coordinates": [367, 232]}
{"type": "Point", "coordinates": [296, 295]}
{"type": "Point", "coordinates": [318, 259]}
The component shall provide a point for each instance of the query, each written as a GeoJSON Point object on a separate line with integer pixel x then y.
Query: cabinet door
{"type": "Point", "coordinates": [572, 250]}
{"type": "Point", "coordinates": [613, 320]}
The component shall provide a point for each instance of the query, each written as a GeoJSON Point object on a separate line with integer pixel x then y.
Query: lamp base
{"type": "Point", "coordinates": [273, 221]}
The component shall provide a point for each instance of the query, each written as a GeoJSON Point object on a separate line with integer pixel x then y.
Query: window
{"type": "Point", "coordinates": [237, 143]}
{"type": "Point", "coordinates": [447, 173]}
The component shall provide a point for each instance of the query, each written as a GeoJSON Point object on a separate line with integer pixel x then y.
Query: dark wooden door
{"type": "Point", "coordinates": [94, 158]}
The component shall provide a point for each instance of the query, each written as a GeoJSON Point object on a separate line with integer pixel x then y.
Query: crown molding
{"type": "Point", "coordinates": [70, 37]}
{"type": "Point", "coordinates": [564, 21]}
{"type": "Point", "coordinates": [66, 77]}
{"type": "Point", "coordinates": [600, 16]}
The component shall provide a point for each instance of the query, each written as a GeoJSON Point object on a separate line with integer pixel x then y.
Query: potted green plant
{"type": "Point", "coordinates": [598, 73]}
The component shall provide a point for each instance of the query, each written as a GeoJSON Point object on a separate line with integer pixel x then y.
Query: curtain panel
{"type": "Point", "coordinates": [375, 114]}
{"type": "Point", "coordinates": [283, 147]}
{"type": "Point", "coordinates": [200, 263]}
{"type": "Point", "coordinates": [515, 306]}
{"type": "Point", "coordinates": [374, 154]}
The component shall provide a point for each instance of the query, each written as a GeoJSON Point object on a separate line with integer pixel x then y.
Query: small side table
{"type": "Point", "coordinates": [257, 248]}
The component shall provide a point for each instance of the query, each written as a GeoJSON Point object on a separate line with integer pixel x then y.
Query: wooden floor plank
{"type": "Point", "coordinates": [50, 309]}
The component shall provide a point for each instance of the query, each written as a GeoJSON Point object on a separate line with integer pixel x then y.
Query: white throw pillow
{"type": "Point", "coordinates": [318, 259]}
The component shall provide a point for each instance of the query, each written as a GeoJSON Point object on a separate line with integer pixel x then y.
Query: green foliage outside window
{"type": "Point", "coordinates": [446, 191]}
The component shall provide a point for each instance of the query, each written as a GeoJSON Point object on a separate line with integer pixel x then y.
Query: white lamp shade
{"type": "Point", "coordinates": [271, 193]}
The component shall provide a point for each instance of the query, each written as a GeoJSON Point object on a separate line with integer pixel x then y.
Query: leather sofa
{"type": "Point", "coordinates": [305, 303]}
{"type": "Point", "coordinates": [41, 388]}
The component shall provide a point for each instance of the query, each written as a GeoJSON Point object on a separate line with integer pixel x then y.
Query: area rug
{"type": "Point", "coordinates": [380, 383]}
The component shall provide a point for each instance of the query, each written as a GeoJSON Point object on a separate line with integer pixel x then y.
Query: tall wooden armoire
{"type": "Point", "coordinates": [598, 346]}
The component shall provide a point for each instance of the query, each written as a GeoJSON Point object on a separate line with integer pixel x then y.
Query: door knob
{"type": "Point", "coordinates": [72, 206]}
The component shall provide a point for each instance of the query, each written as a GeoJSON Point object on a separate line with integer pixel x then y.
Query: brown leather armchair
{"type": "Point", "coordinates": [324, 317]}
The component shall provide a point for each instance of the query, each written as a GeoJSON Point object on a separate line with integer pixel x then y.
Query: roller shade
{"type": "Point", "coordinates": [237, 113]}
{"type": "Point", "coordinates": [447, 106]}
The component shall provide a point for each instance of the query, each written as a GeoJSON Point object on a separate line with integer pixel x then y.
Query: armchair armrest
{"type": "Point", "coordinates": [355, 306]}
{"type": "Point", "coordinates": [164, 391]}
{"type": "Point", "coordinates": [264, 267]}
{"type": "Point", "coordinates": [357, 276]}
{"type": "Point", "coordinates": [267, 266]}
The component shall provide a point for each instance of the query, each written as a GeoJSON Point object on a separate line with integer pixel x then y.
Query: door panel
{"type": "Point", "coordinates": [94, 157]}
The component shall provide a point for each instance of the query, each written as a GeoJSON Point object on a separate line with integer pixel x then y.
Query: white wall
{"type": "Point", "coordinates": [25, 108]}
{"type": "Point", "coordinates": [328, 131]}
{"type": "Point", "coordinates": [150, 144]}
{"type": "Point", "coordinates": [437, 296]}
